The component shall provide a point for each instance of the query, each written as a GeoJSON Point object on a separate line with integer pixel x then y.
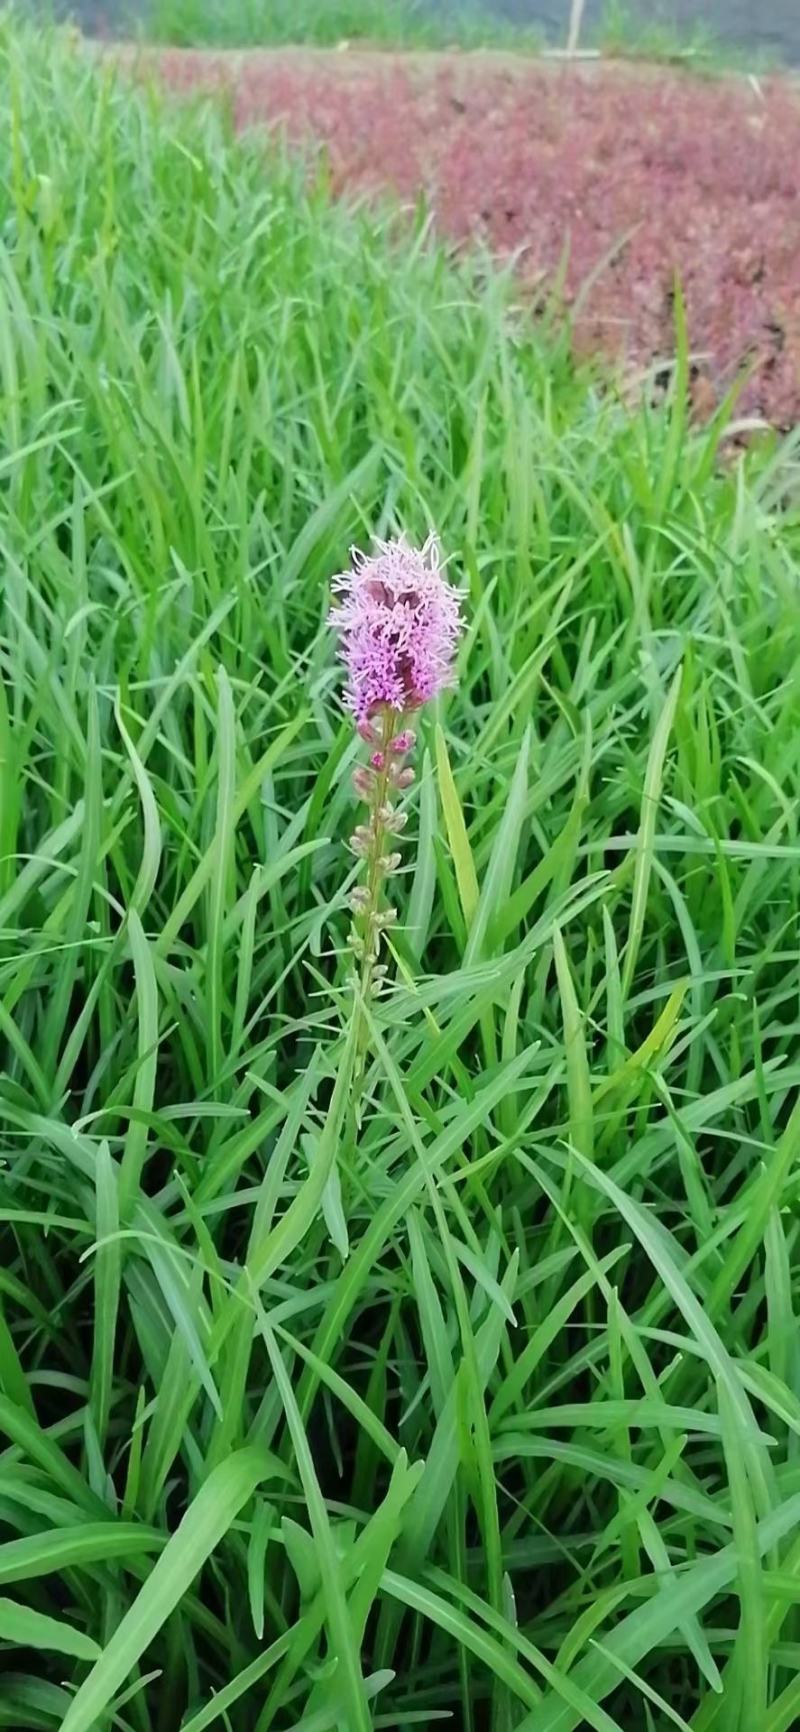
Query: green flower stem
{"type": "Point", "coordinates": [366, 919]}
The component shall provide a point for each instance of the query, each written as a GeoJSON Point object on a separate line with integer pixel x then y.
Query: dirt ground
{"type": "Point", "coordinates": [633, 174]}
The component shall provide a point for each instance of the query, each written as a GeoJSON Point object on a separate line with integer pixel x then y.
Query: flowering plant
{"type": "Point", "coordinates": [398, 622]}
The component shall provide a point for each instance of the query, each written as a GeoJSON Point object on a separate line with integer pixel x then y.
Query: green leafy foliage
{"type": "Point", "coordinates": [488, 1407]}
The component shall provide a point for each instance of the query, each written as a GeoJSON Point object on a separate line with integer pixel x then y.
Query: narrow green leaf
{"type": "Point", "coordinates": [75, 1548]}
{"type": "Point", "coordinates": [205, 1523]}
{"type": "Point", "coordinates": [644, 850]}
{"type": "Point", "coordinates": [107, 1272]}
{"type": "Point", "coordinates": [25, 1628]}
{"type": "Point", "coordinates": [466, 875]}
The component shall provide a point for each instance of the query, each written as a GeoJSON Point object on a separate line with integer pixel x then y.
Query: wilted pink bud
{"type": "Point", "coordinates": [361, 841]}
{"type": "Point", "coordinates": [363, 780]}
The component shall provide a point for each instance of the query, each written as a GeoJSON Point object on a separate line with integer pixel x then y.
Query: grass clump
{"type": "Point", "coordinates": [491, 1409]}
{"type": "Point", "coordinates": [624, 34]}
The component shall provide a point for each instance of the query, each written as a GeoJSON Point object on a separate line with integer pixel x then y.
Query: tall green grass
{"type": "Point", "coordinates": [491, 1412]}
{"type": "Point", "coordinates": [431, 24]}
{"type": "Point", "coordinates": [326, 23]}
{"type": "Point", "coordinates": [628, 35]}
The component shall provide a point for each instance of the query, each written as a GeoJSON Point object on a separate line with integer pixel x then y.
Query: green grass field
{"type": "Point", "coordinates": [419, 24]}
{"type": "Point", "coordinates": [489, 1410]}
{"type": "Point", "coordinates": [410, 24]}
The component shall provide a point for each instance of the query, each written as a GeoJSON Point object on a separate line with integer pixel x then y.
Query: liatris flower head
{"type": "Point", "coordinates": [398, 620]}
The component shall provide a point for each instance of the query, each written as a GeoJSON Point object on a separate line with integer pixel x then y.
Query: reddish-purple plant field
{"type": "Point", "coordinates": [652, 171]}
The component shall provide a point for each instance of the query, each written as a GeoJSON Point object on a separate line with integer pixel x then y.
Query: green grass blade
{"type": "Point", "coordinates": [204, 1525]}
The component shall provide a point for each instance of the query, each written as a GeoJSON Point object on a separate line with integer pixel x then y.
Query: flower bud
{"type": "Point", "coordinates": [390, 862]}
{"type": "Point", "coordinates": [360, 843]}
{"type": "Point", "coordinates": [404, 742]}
{"type": "Point", "coordinates": [402, 778]}
{"type": "Point", "coordinates": [359, 898]}
{"type": "Point", "coordinates": [378, 760]}
{"type": "Point", "coordinates": [363, 780]}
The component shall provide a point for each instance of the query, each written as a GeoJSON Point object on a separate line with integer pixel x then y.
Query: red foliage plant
{"type": "Point", "coordinates": [636, 175]}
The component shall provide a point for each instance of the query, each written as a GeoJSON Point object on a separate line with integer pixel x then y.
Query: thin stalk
{"type": "Point", "coordinates": [370, 932]}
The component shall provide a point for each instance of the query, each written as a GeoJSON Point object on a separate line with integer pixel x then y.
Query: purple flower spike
{"type": "Point", "coordinates": [399, 621]}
